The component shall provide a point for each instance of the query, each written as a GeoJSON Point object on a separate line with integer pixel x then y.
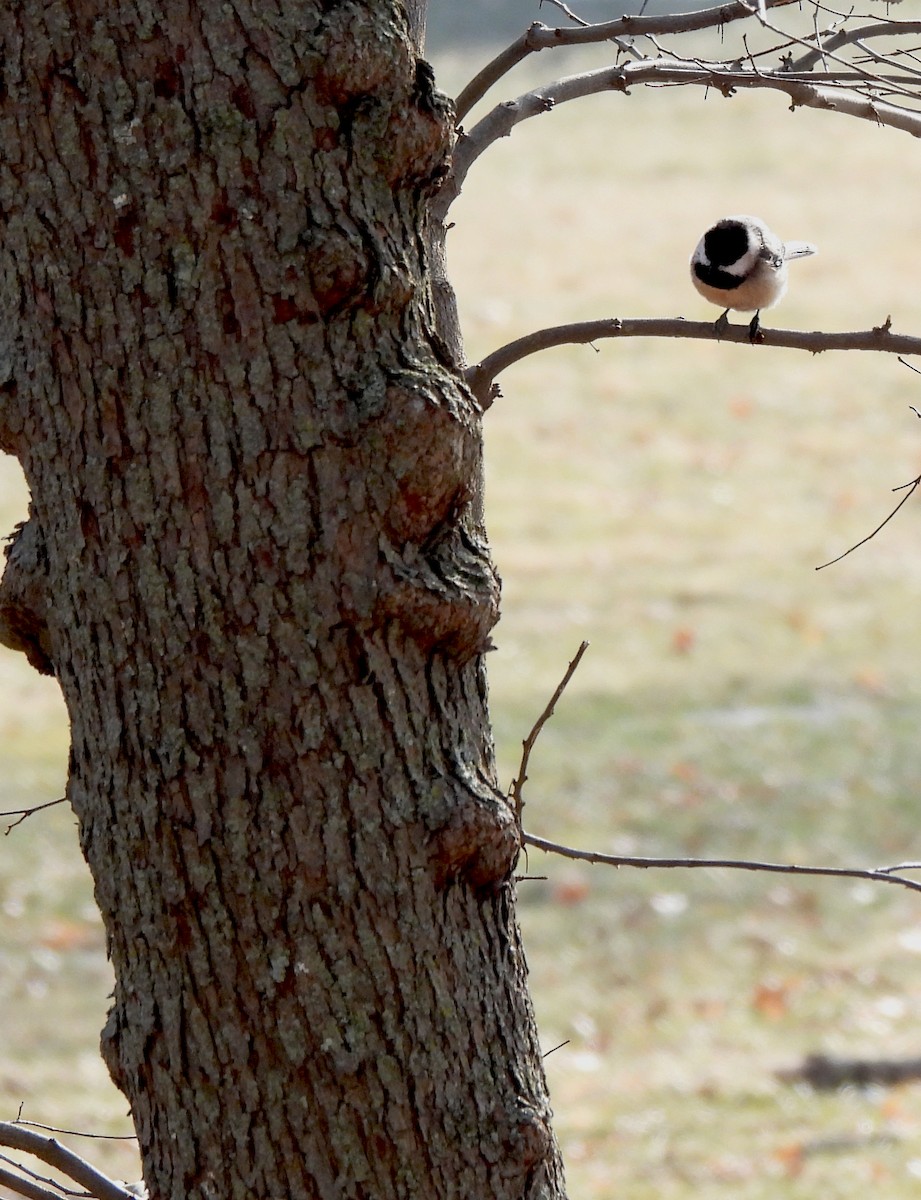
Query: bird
{"type": "Point", "coordinates": [740, 264]}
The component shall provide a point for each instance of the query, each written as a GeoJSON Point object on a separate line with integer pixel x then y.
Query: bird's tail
{"type": "Point", "coordinates": [797, 250]}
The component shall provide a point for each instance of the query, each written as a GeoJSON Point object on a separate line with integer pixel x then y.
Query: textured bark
{"type": "Point", "coordinates": [257, 566]}
{"type": "Point", "coordinates": [416, 11]}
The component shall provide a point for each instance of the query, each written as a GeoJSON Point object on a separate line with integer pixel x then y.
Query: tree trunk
{"type": "Point", "coordinates": [256, 566]}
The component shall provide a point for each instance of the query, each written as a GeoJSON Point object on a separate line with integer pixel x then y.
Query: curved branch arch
{"type": "Point", "coordinates": [482, 375]}
{"type": "Point", "coordinates": [546, 37]}
{"type": "Point", "coordinates": [844, 85]}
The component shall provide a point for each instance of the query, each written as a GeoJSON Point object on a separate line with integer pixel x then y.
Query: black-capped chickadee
{"type": "Point", "coordinates": [739, 264]}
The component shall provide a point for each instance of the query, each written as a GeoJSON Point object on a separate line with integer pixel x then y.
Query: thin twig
{"type": "Point", "coordinates": [96, 1137]}
{"type": "Point", "coordinates": [819, 47]}
{"type": "Point", "coordinates": [878, 875]}
{"type": "Point", "coordinates": [886, 59]}
{"type": "Point", "coordinates": [913, 486]}
{"type": "Point", "coordinates": [22, 813]}
{"type": "Point", "coordinates": [567, 11]}
{"type": "Point", "coordinates": [515, 791]}
{"type": "Point", "coordinates": [66, 1161]}
{"type": "Point", "coordinates": [828, 56]}
{"type": "Point", "coordinates": [482, 375]}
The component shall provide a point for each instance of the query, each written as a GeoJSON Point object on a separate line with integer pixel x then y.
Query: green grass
{"type": "Point", "coordinates": [669, 502]}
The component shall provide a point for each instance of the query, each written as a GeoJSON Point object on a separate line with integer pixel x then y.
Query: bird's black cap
{"type": "Point", "coordinates": [726, 243]}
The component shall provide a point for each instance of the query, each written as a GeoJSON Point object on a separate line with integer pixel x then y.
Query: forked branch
{"type": "Point", "coordinates": [21, 813]}
{"type": "Point", "coordinates": [853, 79]}
{"type": "Point", "coordinates": [24, 1187]}
{"type": "Point", "coordinates": [50, 1151]}
{"type": "Point", "coordinates": [854, 36]}
{"type": "Point", "coordinates": [894, 874]}
{"type": "Point", "coordinates": [823, 90]}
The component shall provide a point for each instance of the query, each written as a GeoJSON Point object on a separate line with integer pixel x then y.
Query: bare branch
{"type": "Point", "coordinates": [510, 57]}
{"type": "Point", "coordinates": [869, 79]}
{"type": "Point", "coordinates": [481, 376]}
{"type": "Point", "coordinates": [913, 486]}
{"type": "Point", "coordinates": [515, 791]}
{"type": "Point", "coordinates": [877, 875]}
{"type": "Point", "coordinates": [36, 1177]}
{"type": "Point", "coordinates": [567, 11]}
{"type": "Point", "coordinates": [25, 1187]}
{"type": "Point", "coordinates": [802, 90]}
{"type": "Point", "coordinates": [846, 37]}
{"type": "Point", "coordinates": [96, 1137]}
{"type": "Point", "coordinates": [66, 1161]}
{"type": "Point", "coordinates": [22, 813]}
{"type": "Point", "coordinates": [889, 874]}
{"type": "Point", "coordinates": [878, 87]}
{"type": "Point", "coordinates": [544, 37]}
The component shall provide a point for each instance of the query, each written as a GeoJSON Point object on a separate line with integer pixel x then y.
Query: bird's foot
{"type": "Point", "coordinates": [754, 329]}
{"type": "Point", "coordinates": [722, 324]}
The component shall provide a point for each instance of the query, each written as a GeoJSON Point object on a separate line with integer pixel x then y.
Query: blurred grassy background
{"type": "Point", "coordinates": [669, 502]}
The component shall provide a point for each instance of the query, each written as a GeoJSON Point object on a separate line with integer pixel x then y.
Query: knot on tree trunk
{"type": "Point", "coordinates": [474, 835]}
{"type": "Point", "coordinates": [479, 844]}
{"type": "Point", "coordinates": [24, 600]}
{"type": "Point", "coordinates": [444, 595]}
{"type": "Point", "coordinates": [399, 126]}
{"type": "Point", "coordinates": [532, 1146]}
